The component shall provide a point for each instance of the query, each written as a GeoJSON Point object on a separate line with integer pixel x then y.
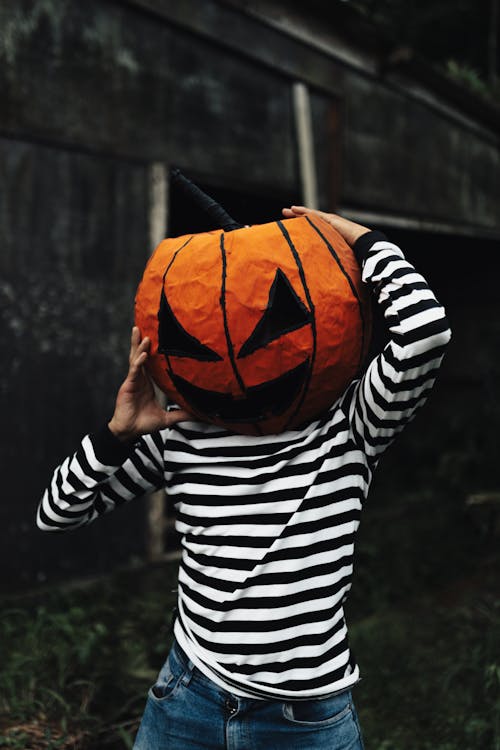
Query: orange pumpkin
{"type": "Point", "coordinates": [258, 329]}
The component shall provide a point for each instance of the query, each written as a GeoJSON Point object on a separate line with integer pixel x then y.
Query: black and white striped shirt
{"type": "Point", "coordinates": [268, 523]}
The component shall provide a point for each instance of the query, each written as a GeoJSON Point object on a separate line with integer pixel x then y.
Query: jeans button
{"type": "Point", "coordinates": [231, 705]}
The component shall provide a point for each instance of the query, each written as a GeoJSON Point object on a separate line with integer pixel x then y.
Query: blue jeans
{"type": "Point", "coordinates": [187, 711]}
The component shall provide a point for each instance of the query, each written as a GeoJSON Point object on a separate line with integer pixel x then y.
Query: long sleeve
{"type": "Point", "coordinates": [102, 475]}
{"type": "Point", "coordinates": [398, 381]}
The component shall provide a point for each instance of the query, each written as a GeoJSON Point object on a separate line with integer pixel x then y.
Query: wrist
{"type": "Point", "coordinates": [359, 233]}
{"type": "Point", "coordinates": [350, 230]}
{"type": "Point", "coordinates": [124, 436]}
{"type": "Point", "coordinates": [108, 449]}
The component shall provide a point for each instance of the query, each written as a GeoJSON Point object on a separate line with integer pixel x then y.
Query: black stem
{"type": "Point", "coordinates": [217, 214]}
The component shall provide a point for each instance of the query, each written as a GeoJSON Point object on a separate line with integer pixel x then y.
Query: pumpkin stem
{"type": "Point", "coordinates": [219, 216]}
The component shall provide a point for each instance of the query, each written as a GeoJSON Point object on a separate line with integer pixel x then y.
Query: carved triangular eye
{"type": "Point", "coordinates": [285, 312]}
{"type": "Point", "coordinates": [174, 340]}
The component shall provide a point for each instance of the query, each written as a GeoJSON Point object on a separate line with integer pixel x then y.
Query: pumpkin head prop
{"type": "Point", "coordinates": [258, 329]}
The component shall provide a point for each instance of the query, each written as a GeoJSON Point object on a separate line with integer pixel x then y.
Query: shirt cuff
{"type": "Point", "coordinates": [364, 244]}
{"type": "Point", "coordinates": [108, 449]}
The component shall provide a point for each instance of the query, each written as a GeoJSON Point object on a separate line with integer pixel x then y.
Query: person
{"type": "Point", "coordinates": [261, 655]}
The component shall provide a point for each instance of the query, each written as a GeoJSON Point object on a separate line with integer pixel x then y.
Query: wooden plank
{"type": "Point", "coordinates": [402, 160]}
{"type": "Point", "coordinates": [381, 218]}
{"type": "Point", "coordinates": [158, 219]}
{"type": "Point", "coordinates": [255, 36]}
{"type": "Point", "coordinates": [305, 143]}
{"type": "Point", "coordinates": [483, 499]}
{"type": "Point", "coordinates": [140, 79]}
{"type": "Point", "coordinates": [74, 241]}
{"type": "Point", "coordinates": [116, 80]}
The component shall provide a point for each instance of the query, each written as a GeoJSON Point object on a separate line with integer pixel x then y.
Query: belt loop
{"type": "Point", "coordinates": [186, 677]}
{"type": "Point", "coordinates": [187, 665]}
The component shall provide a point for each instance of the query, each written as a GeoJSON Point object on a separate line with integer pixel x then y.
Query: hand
{"type": "Point", "coordinates": [137, 411]}
{"type": "Point", "coordinates": [347, 229]}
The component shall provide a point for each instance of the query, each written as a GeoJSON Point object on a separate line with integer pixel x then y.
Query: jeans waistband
{"type": "Point", "coordinates": [188, 665]}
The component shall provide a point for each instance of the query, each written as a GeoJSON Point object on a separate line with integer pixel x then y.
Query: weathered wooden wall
{"type": "Point", "coordinates": [106, 77]}
{"type": "Point", "coordinates": [92, 94]}
{"type": "Point", "coordinates": [72, 233]}
{"type": "Point", "coordinates": [148, 79]}
{"type": "Point", "coordinates": [404, 159]}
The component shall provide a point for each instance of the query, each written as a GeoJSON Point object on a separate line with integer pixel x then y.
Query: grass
{"type": "Point", "coordinates": [76, 665]}
{"type": "Point", "coordinates": [431, 676]}
{"type": "Point", "coordinates": [80, 662]}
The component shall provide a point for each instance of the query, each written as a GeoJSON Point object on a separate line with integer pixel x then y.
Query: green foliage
{"type": "Point", "coordinates": [424, 621]}
{"type": "Point", "coordinates": [431, 676]}
{"type": "Point", "coordinates": [452, 34]}
{"type": "Point", "coordinates": [471, 77]}
{"type": "Point", "coordinates": [84, 660]}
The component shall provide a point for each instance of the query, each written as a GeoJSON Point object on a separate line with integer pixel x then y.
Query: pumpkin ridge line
{"type": "Point", "coordinates": [222, 300]}
{"type": "Point", "coordinates": [167, 358]}
{"type": "Point", "coordinates": [312, 308]}
{"type": "Point", "coordinates": [352, 286]}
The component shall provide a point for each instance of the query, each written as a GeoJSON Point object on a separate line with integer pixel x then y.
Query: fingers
{"type": "Point", "coordinates": [138, 354]}
{"type": "Point", "coordinates": [135, 339]}
{"type": "Point", "coordinates": [349, 230]}
{"type": "Point", "coordinates": [293, 211]}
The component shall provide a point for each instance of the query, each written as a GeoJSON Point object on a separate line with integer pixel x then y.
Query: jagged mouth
{"type": "Point", "coordinates": [270, 399]}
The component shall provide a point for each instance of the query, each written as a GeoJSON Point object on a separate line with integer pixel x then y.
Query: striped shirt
{"type": "Point", "coordinates": [268, 523]}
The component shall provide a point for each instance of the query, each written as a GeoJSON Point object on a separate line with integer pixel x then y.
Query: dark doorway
{"type": "Point", "coordinates": [245, 207]}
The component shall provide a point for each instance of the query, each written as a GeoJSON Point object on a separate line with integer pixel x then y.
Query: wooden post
{"type": "Point", "coordinates": [158, 219]}
{"type": "Point", "coordinates": [305, 142]}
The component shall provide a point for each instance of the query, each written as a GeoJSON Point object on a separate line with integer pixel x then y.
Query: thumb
{"type": "Point", "coordinates": [177, 415]}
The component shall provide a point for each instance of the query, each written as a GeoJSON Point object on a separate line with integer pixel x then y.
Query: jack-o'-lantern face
{"type": "Point", "coordinates": [258, 329]}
